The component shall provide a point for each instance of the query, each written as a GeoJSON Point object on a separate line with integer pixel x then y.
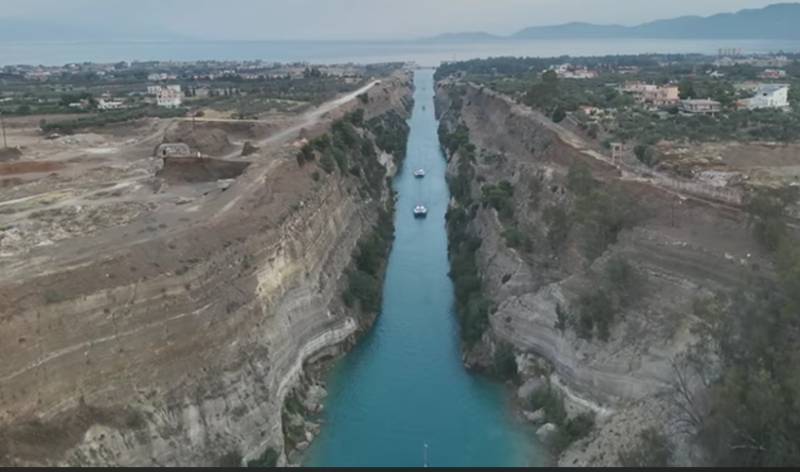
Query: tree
{"type": "Point", "coordinates": [645, 155]}
{"type": "Point", "coordinates": [686, 89]}
{"type": "Point", "coordinates": [543, 93]}
{"type": "Point", "coordinates": [559, 114]}
{"type": "Point", "coordinates": [561, 318]}
{"type": "Point", "coordinates": [767, 210]}
{"type": "Point", "coordinates": [652, 449]}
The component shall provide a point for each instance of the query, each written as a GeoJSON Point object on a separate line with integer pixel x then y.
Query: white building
{"type": "Point", "coordinates": [568, 71]}
{"type": "Point", "coordinates": [170, 97]}
{"type": "Point", "coordinates": [104, 104]}
{"type": "Point", "coordinates": [769, 96]}
{"type": "Point", "coordinates": [704, 106]}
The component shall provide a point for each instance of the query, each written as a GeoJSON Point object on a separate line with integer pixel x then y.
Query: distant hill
{"type": "Point", "coordinates": [778, 21]}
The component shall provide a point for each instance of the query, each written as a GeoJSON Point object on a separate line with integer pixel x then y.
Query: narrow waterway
{"type": "Point", "coordinates": [404, 386]}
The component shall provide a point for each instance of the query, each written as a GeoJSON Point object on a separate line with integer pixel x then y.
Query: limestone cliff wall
{"type": "Point", "coordinates": [681, 249]}
{"type": "Point", "coordinates": [178, 349]}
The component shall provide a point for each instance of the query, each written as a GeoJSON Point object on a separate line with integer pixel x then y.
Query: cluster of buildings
{"type": "Point", "coordinates": [773, 74]}
{"type": "Point", "coordinates": [168, 96]}
{"type": "Point", "coordinates": [774, 96]}
{"type": "Point", "coordinates": [569, 71]}
{"type": "Point", "coordinates": [160, 77]}
{"type": "Point", "coordinates": [731, 58]}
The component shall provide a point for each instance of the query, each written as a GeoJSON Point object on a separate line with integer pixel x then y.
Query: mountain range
{"type": "Point", "coordinates": [778, 21]}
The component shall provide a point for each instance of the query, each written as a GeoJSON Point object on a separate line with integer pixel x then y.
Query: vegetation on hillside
{"type": "Point", "coordinates": [349, 148]}
{"type": "Point", "coordinates": [365, 274]}
{"type": "Point", "coordinates": [472, 305]}
{"type": "Point", "coordinates": [745, 362]}
{"type": "Point", "coordinates": [551, 402]}
{"type": "Point", "coordinates": [529, 81]}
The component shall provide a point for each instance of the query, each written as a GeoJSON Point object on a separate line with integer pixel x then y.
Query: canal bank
{"type": "Point", "coordinates": [404, 385]}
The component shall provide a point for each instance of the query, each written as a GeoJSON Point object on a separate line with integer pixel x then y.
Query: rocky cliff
{"type": "Point", "coordinates": [177, 344]}
{"type": "Point", "coordinates": [550, 260]}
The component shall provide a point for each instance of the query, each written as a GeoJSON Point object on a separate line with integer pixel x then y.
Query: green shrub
{"type": "Point", "coordinates": [604, 212]}
{"type": "Point", "coordinates": [645, 154]}
{"type": "Point", "coordinates": [767, 210]}
{"type": "Point", "coordinates": [327, 163]}
{"type": "Point", "coordinates": [575, 428]}
{"type": "Point", "coordinates": [558, 225]}
{"type": "Point", "coordinates": [499, 197]}
{"type": "Point", "coordinates": [652, 449]}
{"type": "Point", "coordinates": [559, 114]}
{"type": "Point", "coordinates": [579, 178]}
{"type": "Point", "coordinates": [505, 364]}
{"type": "Point", "coordinates": [561, 318]}
{"type": "Point", "coordinates": [551, 401]}
{"type": "Point", "coordinates": [517, 239]}
{"type": "Point", "coordinates": [595, 310]}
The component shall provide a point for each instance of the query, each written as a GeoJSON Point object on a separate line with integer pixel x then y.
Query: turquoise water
{"type": "Point", "coordinates": [404, 385]}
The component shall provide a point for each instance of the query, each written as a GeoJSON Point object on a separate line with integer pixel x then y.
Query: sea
{"type": "Point", "coordinates": [424, 53]}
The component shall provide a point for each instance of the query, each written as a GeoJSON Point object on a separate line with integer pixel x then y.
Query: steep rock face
{"type": "Point", "coordinates": [681, 250]}
{"type": "Point", "coordinates": [179, 349]}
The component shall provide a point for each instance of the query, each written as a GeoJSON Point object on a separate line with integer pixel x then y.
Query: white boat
{"type": "Point", "coordinates": [419, 173]}
{"type": "Point", "coordinates": [420, 211]}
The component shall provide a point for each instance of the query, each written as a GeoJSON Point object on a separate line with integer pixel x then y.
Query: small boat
{"type": "Point", "coordinates": [420, 211]}
{"type": "Point", "coordinates": [419, 173]}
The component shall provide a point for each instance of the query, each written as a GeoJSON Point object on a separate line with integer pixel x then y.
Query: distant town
{"type": "Point", "coordinates": [80, 95]}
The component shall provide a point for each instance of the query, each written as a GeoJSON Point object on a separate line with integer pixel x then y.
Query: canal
{"type": "Point", "coordinates": [404, 385]}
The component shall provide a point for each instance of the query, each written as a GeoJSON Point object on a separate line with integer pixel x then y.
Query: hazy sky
{"type": "Point", "coordinates": [355, 19]}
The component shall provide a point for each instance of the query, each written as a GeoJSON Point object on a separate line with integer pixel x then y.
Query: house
{"type": "Point", "coordinates": [82, 104]}
{"type": "Point", "coordinates": [568, 71]}
{"type": "Point", "coordinates": [657, 95]}
{"type": "Point", "coordinates": [701, 106]}
{"type": "Point", "coordinates": [627, 70]}
{"type": "Point", "coordinates": [768, 96]}
{"type": "Point", "coordinates": [662, 96]}
{"type": "Point", "coordinates": [104, 104]}
{"type": "Point", "coordinates": [636, 87]}
{"type": "Point", "coordinates": [202, 92]}
{"type": "Point", "coordinates": [169, 97]}
{"type": "Point", "coordinates": [153, 90]}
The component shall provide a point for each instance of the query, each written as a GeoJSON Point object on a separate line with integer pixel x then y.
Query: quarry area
{"type": "Point", "coordinates": [166, 277]}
